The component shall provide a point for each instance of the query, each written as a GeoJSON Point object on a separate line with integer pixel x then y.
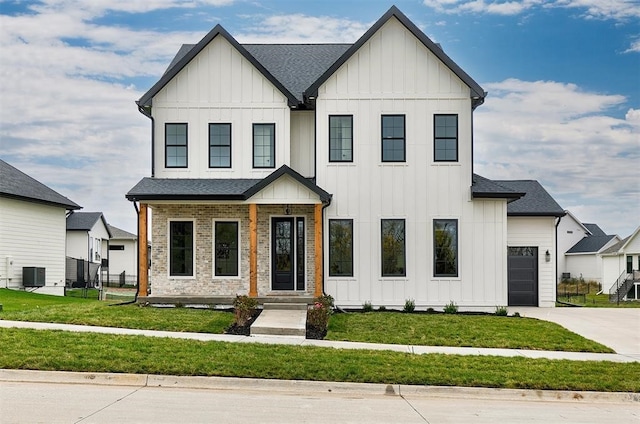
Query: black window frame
{"type": "Point", "coordinates": [348, 253]}
{"type": "Point", "coordinates": [189, 267]}
{"type": "Point", "coordinates": [272, 146]}
{"type": "Point", "coordinates": [393, 138]}
{"type": "Point", "coordinates": [384, 262]}
{"type": "Point", "coordinates": [218, 250]}
{"type": "Point", "coordinates": [437, 258]}
{"type": "Point", "coordinates": [167, 145]}
{"type": "Point", "coordinates": [333, 140]}
{"type": "Point", "coordinates": [228, 145]}
{"type": "Point", "coordinates": [445, 138]}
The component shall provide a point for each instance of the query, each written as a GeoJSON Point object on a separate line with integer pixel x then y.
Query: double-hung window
{"type": "Point", "coordinates": [445, 138]}
{"type": "Point", "coordinates": [341, 248]}
{"type": "Point", "coordinates": [219, 145]}
{"type": "Point", "coordinates": [445, 247]}
{"type": "Point", "coordinates": [393, 248]}
{"type": "Point", "coordinates": [175, 143]}
{"type": "Point", "coordinates": [181, 248]}
{"type": "Point", "coordinates": [340, 138]}
{"type": "Point", "coordinates": [393, 138]}
{"type": "Point", "coordinates": [226, 248]}
{"type": "Point", "coordinates": [264, 145]}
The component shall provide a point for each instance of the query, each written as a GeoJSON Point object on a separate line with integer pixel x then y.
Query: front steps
{"type": "Point", "coordinates": [281, 319]}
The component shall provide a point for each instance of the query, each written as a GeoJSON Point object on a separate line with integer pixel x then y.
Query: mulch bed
{"type": "Point", "coordinates": [315, 333]}
{"type": "Point", "coordinates": [244, 330]}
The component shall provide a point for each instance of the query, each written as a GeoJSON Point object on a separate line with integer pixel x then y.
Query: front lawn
{"type": "Point", "coordinates": [90, 352]}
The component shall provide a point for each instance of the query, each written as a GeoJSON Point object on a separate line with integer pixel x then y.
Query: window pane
{"type": "Point", "coordinates": [445, 246]}
{"type": "Point", "coordinates": [393, 248]}
{"type": "Point", "coordinates": [340, 138]}
{"type": "Point", "coordinates": [341, 247]}
{"type": "Point", "coordinates": [176, 145]}
{"type": "Point", "coordinates": [181, 248]}
{"type": "Point", "coordinates": [393, 139]}
{"type": "Point", "coordinates": [445, 138]}
{"type": "Point", "coordinates": [226, 249]}
{"type": "Point", "coordinates": [219, 145]}
{"type": "Point", "coordinates": [263, 145]}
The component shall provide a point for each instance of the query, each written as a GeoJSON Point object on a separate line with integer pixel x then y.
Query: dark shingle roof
{"type": "Point", "coordinates": [595, 230]}
{"type": "Point", "coordinates": [214, 189]}
{"type": "Point", "coordinates": [590, 244]}
{"type": "Point", "coordinates": [18, 185]}
{"type": "Point", "coordinates": [117, 233]}
{"type": "Point", "coordinates": [535, 202]}
{"type": "Point", "coordinates": [84, 221]}
{"type": "Point", "coordinates": [616, 247]}
{"type": "Point", "coordinates": [485, 188]}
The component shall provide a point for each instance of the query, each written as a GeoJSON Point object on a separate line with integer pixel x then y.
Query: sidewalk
{"type": "Point", "coordinates": [300, 341]}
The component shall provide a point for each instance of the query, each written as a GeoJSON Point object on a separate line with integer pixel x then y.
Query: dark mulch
{"type": "Point", "coordinates": [244, 330]}
{"type": "Point", "coordinates": [315, 333]}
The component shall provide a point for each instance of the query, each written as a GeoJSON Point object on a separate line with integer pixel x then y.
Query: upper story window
{"type": "Point", "coordinates": [219, 145]}
{"type": "Point", "coordinates": [341, 138]}
{"type": "Point", "coordinates": [393, 138]}
{"type": "Point", "coordinates": [445, 247]}
{"type": "Point", "coordinates": [264, 145]}
{"type": "Point", "coordinates": [393, 248]}
{"type": "Point", "coordinates": [175, 143]}
{"type": "Point", "coordinates": [445, 138]}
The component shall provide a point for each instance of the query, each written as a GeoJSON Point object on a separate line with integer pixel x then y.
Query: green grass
{"type": "Point", "coordinates": [90, 352]}
{"type": "Point", "coordinates": [485, 331]}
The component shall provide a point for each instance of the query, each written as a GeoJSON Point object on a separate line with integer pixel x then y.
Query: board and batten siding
{"type": "Point", "coordinates": [371, 84]}
{"type": "Point", "coordinates": [33, 235]}
{"type": "Point", "coordinates": [303, 143]}
{"type": "Point", "coordinates": [220, 86]}
{"type": "Point", "coordinates": [537, 232]}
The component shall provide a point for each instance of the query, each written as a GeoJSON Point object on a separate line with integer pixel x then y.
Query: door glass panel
{"type": "Point", "coordinates": [300, 246]}
{"type": "Point", "coordinates": [283, 246]}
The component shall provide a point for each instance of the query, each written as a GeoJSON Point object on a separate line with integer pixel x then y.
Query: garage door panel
{"type": "Point", "coordinates": [522, 276]}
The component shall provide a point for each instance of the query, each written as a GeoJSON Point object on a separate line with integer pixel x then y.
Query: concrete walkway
{"type": "Point", "coordinates": [299, 341]}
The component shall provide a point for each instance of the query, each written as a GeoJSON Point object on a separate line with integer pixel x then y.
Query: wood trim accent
{"type": "Point", "coordinates": [318, 249]}
{"type": "Point", "coordinates": [143, 251]}
{"type": "Point", "coordinates": [253, 250]}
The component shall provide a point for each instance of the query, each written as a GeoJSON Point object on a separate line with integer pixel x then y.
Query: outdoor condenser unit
{"type": "Point", "coordinates": [33, 276]}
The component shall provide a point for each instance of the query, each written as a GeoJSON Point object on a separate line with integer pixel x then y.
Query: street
{"type": "Point", "coordinates": [36, 402]}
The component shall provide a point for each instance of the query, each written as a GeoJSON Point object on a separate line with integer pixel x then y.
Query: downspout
{"type": "Point", "coordinates": [557, 223]}
{"type": "Point", "coordinates": [325, 206]}
{"type": "Point", "coordinates": [135, 299]}
{"type": "Point", "coordinates": [147, 112]}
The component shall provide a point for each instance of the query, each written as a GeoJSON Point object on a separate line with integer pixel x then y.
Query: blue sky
{"type": "Point", "coordinates": [563, 79]}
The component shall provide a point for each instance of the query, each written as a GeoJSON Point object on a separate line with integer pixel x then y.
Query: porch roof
{"type": "Point", "coordinates": [232, 189]}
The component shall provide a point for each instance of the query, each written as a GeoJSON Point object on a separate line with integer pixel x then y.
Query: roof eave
{"type": "Point", "coordinates": [72, 206]}
{"type": "Point", "coordinates": [538, 214]}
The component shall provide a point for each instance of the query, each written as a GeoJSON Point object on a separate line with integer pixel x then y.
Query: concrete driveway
{"type": "Point", "coordinates": [617, 328]}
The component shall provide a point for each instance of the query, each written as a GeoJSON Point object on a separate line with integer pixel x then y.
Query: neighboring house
{"type": "Point", "coordinates": [570, 231]}
{"type": "Point", "coordinates": [87, 248]}
{"type": "Point", "coordinates": [621, 268]}
{"type": "Point", "coordinates": [123, 256]}
{"type": "Point", "coordinates": [32, 233]}
{"type": "Point", "coordinates": [297, 170]}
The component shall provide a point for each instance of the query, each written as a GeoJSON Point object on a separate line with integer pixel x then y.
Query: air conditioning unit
{"type": "Point", "coordinates": [33, 276]}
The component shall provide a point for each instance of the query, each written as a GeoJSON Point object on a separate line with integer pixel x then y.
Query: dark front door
{"type": "Point", "coordinates": [283, 274]}
{"type": "Point", "coordinates": [522, 268]}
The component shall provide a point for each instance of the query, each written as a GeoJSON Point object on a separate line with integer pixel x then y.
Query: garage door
{"type": "Point", "coordinates": [522, 267]}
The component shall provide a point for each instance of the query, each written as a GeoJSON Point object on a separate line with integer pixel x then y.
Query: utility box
{"type": "Point", "coordinates": [33, 276]}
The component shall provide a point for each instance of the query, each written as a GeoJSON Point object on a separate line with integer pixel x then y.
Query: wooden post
{"type": "Point", "coordinates": [318, 249]}
{"type": "Point", "coordinates": [253, 250]}
{"type": "Point", "coordinates": [143, 251]}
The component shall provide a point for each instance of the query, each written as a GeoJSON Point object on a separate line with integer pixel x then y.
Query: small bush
{"type": "Point", "coordinates": [318, 314]}
{"type": "Point", "coordinates": [451, 308]}
{"type": "Point", "coordinates": [244, 307]}
{"type": "Point", "coordinates": [382, 308]}
{"type": "Point", "coordinates": [517, 315]}
{"type": "Point", "coordinates": [409, 306]}
{"type": "Point", "coordinates": [367, 307]}
{"type": "Point", "coordinates": [431, 311]}
{"type": "Point", "coordinates": [502, 311]}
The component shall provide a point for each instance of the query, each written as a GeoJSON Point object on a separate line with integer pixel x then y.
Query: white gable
{"type": "Point", "coordinates": [285, 190]}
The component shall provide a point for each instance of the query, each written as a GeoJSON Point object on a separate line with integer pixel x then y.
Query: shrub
{"type": "Point", "coordinates": [451, 308]}
{"type": "Point", "coordinates": [409, 306]}
{"type": "Point", "coordinates": [244, 307]}
{"type": "Point", "coordinates": [431, 311]}
{"type": "Point", "coordinates": [318, 314]}
{"type": "Point", "coordinates": [382, 308]}
{"type": "Point", "coordinates": [502, 311]}
{"type": "Point", "coordinates": [367, 307]}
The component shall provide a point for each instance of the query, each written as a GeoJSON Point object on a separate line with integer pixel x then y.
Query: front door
{"type": "Point", "coordinates": [283, 274]}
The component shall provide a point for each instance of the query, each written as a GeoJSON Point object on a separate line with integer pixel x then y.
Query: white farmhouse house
{"type": "Point", "coordinates": [87, 245]}
{"type": "Point", "coordinates": [32, 233]}
{"type": "Point", "coordinates": [123, 256]}
{"type": "Point", "coordinates": [621, 268]}
{"type": "Point", "coordinates": [294, 170]}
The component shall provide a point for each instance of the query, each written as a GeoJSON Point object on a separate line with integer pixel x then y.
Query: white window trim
{"type": "Point", "coordinates": [213, 250]}
{"type": "Point", "coordinates": [355, 263]}
{"type": "Point", "coordinates": [181, 277]}
{"type": "Point", "coordinates": [459, 226]}
{"type": "Point", "coordinates": [406, 276]}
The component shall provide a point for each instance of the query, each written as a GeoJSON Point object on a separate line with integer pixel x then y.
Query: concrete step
{"type": "Point", "coordinates": [285, 306]}
{"type": "Point", "coordinates": [280, 322]}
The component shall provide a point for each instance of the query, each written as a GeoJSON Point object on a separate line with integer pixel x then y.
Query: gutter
{"type": "Point", "coordinates": [135, 299]}
{"type": "Point", "coordinates": [557, 253]}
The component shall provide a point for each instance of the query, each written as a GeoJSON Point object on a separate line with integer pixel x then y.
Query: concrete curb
{"type": "Point", "coordinates": [316, 388]}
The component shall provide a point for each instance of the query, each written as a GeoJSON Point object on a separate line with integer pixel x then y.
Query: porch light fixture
{"type": "Point", "coordinates": [547, 256]}
{"type": "Point", "coordinates": [287, 210]}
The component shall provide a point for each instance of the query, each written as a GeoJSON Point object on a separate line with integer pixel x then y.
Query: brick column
{"type": "Point", "coordinates": [253, 250]}
{"type": "Point", "coordinates": [318, 249]}
{"type": "Point", "coordinates": [143, 251]}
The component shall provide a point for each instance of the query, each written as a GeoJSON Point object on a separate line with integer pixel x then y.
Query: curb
{"type": "Point", "coordinates": [313, 387]}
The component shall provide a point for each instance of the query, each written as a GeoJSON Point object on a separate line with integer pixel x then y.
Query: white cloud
{"type": "Point", "coordinates": [634, 48]}
{"type": "Point", "coordinates": [598, 9]}
{"type": "Point", "coordinates": [569, 140]}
